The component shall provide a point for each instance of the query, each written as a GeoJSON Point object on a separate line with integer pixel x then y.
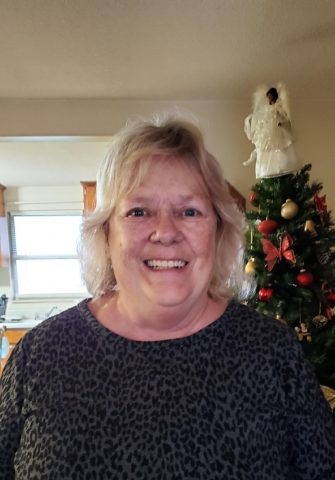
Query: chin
{"type": "Point", "coordinates": [170, 298]}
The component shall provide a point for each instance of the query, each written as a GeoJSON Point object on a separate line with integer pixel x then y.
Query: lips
{"type": "Point", "coordinates": [165, 264]}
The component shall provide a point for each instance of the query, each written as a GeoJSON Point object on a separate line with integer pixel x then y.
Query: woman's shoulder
{"type": "Point", "coordinates": [59, 335]}
{"type": "Point", "coordinates": [69, 315]}
{"type": "Point", "coordinates": [266, 342]}
{"type": "Point", "coordinates": [246, 314]}
{"type": "Point", "coordinates": [254, 327]}
{"type": "Point", "coordinates": [59, 327]}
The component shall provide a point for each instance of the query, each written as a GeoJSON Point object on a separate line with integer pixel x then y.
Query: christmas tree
{"type": "Point", "coordinates": [291, 253]}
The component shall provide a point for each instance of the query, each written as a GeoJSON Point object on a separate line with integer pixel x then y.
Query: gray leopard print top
{"type": "Point", "coordinates": [234, 401]}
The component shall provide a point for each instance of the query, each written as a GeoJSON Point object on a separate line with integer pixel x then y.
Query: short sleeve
{"type": "Point", "coordinates": [11, 420]}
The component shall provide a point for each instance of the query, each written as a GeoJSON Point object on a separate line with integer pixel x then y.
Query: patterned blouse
{"type": "Point", "coordinates": [234, 401]}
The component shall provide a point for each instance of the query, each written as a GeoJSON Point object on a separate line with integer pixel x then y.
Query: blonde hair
{"type": "Point", "coordinates": [124, 168]}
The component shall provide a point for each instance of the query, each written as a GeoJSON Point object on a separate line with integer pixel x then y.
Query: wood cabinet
{"type": "Point", "coordinates": [4, 244]}
{"type": "Point", "coordinates": [239, 199]}
{"type": "Point", "coordinates": [2, 200]}
{"type": "Point", "coordinates": [13, 336]}
{"type": "Point", "coordinates": [89, 196]}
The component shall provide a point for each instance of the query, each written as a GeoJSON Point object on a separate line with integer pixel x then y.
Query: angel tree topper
{"type": "Point", "coordinates": [269, 129]}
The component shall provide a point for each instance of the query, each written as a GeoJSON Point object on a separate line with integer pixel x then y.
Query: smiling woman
{"type": "Point", "coordinates": [171, 147]}
{"type": "Point", "coordinates": [163, 374]}
{"type": "Point", "coordinates": [162, 247]}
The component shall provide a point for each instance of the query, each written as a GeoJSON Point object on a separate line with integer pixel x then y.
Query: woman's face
{"type": "Point", "coordinates": [162, 238]}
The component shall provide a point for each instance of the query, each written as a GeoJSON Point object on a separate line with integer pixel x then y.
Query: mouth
{"type": "Point", "coordinates": [165, 264]}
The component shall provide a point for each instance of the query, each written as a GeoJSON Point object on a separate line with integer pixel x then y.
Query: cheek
{"type": "Point", "coordinates": [204, 240]}
{"type": "Point", "coordinates": [124, 246]}
{"type": "Point", "coordinates": [116, 247]}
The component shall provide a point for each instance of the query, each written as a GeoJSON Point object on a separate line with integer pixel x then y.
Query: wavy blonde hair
{"type": "Point", "coordinates": [125, 166]}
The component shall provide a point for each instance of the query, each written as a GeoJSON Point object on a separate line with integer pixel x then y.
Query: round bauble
{"type": "Point", "coordinates": [304, 279]}
{"type": "Point", "coordinates": [253, 198]}
{"type": "Point", "coordinates": [320, 321]}
{"type": "Point", "coordinates": [324, 257]}
{"type": "Point", "coordinates": [267, 226]}
{"type": "Point", "coordinates": [265, 293]}
{"type": "Point", "coordinates": [310, 227]}
{"type": "Point", "coordinates": [289, 209]}
{"type": "Point", "coordinates": [250, 266]}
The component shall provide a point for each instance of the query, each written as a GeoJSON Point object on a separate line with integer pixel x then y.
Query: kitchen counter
{"type": "Point", "coordinates": [24, 324]}
{"type": "Point", "coordinates": [13, 329]}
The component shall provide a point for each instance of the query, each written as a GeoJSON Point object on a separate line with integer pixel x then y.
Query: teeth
{"type": "Point", "coordinates": [160, 264]}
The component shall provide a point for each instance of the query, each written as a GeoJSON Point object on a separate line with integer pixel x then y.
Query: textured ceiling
{"type": "Point", "coordinates": [165, 49]}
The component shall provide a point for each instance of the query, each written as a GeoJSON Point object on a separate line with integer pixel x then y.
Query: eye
{"type": "Point", "coordinates": [136, 212]}
{"type": "Point", "coordinates": [191, 212]}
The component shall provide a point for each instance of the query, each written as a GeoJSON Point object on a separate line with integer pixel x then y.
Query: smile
{"type": "Point", "coordinates": [165, 264]}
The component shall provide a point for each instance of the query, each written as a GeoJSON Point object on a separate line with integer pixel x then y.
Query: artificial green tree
{"type": "Point", "coordinates": [290, 248]}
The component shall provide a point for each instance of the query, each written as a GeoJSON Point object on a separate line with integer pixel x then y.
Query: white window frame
{"type": "Point", "coordinates": [14, 257]}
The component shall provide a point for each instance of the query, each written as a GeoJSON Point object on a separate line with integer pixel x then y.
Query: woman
{"type": "Point", "coordinates": [161, 374]}
{"type": "Point", "coordinates": [269, 129]}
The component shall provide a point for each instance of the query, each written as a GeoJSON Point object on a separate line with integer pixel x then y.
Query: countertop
{"type": "Point", "coordinates": [23, 324]}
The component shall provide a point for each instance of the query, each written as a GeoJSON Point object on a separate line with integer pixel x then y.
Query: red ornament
{"type": "Point", "coordinates": [267, 226]}
{"type": "Point", "coordinates": [320, 205]}
{"type": "Point", "coordinates": [254, 199]}
{"type": "Point", "coordinates": [304, 279]}
{"type": "Point", "coordinates": [331, 298]}
{"type": "Point", "coordinates": [265, 293]}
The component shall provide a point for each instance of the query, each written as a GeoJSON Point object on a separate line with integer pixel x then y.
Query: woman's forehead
{"type": "Point", "coordinates": [167, 171]}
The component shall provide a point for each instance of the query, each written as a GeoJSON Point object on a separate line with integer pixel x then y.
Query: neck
{"type": "Point", "coordinates": [155, 322]}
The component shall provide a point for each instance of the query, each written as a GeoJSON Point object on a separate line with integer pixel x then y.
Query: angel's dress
{"type": "Point", "coordinates": [269, 129]}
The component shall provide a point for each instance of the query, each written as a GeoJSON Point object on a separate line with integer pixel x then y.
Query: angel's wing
{"type": "Point", "coordinates": [259, 97]}
{"type": "Point", "coordinates": [284, 98]}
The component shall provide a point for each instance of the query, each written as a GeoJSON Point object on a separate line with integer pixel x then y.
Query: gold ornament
{"type": "Point", "coordinates": [304, 333]}
{"type": "Point", "coordinates": [250, 266]}
{"type": "Point", "coordinates": [289, 209]}
{"type": "Point", "coordinates": [310, 227]}
{"type": "Point", "coordinates": [329, 393]}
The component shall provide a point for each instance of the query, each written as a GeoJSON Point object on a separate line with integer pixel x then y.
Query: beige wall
{"type": "Point", "coordinates": [222, 123]}
{"type": "Point", "coordinates": [315, 140]}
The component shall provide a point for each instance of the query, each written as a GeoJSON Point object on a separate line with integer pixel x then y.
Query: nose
{"type": "Point", "coordinates": [166, 230]}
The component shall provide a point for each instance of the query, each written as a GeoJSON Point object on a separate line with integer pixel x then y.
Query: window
{"type": "Point", "coordinates": [43, 255]}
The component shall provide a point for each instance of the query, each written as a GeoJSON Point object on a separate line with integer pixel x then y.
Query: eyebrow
{"type": "Point", "coordinates": [143, 199]}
